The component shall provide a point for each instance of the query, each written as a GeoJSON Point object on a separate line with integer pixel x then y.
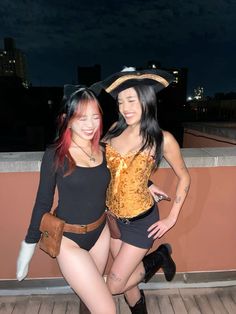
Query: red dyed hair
{"type": "Point", "coordinates": [74, 108]}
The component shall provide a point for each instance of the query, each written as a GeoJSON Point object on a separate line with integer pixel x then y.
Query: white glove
{"type": "Point", "coordinates": [24, 258]}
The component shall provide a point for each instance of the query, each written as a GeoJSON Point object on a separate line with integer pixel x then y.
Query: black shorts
{"type": "Point", "coordinates": [135, 232]}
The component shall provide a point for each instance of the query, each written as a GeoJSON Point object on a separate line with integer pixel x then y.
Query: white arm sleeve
{"type": "Point", "coordinates": [24, 258]}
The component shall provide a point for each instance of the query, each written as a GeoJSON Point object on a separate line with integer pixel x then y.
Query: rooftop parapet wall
{"type": "Point", "coordinates": [221, 129]}
{"type": "Point", "coordinates": [201, 157]}
{"type": "Point", "coordinates": [209, 134]}
{"type": "Point", "coordinates": [202, 240]}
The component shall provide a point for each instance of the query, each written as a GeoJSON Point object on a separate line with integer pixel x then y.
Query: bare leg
{"type": "Point", "coordinates": [132, 295]}
{"type": "Point", "coordinates": [98, 253]}
{"type": "Point", "coordinates": [79, 268]}
{"type": "Point", "coordinates": [127, 270]}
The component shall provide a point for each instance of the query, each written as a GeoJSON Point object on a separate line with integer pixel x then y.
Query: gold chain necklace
{"type": "Point", "coordinates": [91, 157]}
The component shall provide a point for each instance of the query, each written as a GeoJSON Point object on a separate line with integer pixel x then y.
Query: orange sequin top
{"type": "Point", "coordinates": [128, 194]}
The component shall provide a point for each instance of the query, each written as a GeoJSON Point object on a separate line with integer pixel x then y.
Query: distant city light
{"type": "Point", "coordinates": [198, 93]}
{"type": "Point", "coordinates": [189, 98]}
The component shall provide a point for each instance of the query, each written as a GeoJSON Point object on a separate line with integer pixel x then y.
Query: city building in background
{"type": "Point", "coordinates": [28, 117]}
{"type": "Point", "coordinates": [171, 101]}
{"type": "Point", "coordinates": [12, 64]}
{"type": "Point", "coordinates": [33, 110]}
{"type": "Point", "coordinates": [222, 107]}
{"type": "Point", "coordinates": [178, 88]}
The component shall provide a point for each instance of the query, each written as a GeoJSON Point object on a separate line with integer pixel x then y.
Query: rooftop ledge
{"type": "Point", "coordinates": [226, 130]}
{"type": "Point", "coordinates": [194, 158]}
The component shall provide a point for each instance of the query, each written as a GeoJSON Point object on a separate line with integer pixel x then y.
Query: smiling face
{"type": "Point", "coordinates": [130, 106]}
{"type": "Point", "coordinates": [86, 123]}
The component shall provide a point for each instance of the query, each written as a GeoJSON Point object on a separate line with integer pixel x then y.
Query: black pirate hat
{"type": "Point", "coordinates": [130, 77]}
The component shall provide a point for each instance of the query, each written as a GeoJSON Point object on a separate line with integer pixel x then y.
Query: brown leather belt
{"type": "Point", "coordinates": [84, 228]}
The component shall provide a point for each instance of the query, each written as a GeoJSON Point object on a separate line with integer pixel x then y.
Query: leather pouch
{"type": "Point", "coordinates": [113, 226]}
{"type": "Point", "coordinates": [52, 231]}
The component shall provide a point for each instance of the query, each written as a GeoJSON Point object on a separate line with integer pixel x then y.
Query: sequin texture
{"type": "Point", "coordinates": [128, 194]}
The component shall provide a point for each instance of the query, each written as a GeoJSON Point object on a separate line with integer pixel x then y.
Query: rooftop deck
{"type": "Point", "coordinates": [220, 300]}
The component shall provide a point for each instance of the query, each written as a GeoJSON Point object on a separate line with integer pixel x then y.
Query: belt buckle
{"type": "Point", "coordinates": [85, 229]}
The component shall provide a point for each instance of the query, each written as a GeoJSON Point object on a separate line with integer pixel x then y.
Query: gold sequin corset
{"type": "Point", "coordinates": [128, 194]}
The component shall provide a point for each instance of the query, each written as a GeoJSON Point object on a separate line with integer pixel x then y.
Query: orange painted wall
{"type": "Point", "coordinates": [203, 239]}
{"type": "Point", "coordinates": [17, 194]}
{"type": "Point", "coordinates": [205, 235]}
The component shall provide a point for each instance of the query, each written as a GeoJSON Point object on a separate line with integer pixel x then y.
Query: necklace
{"type": "Point", "coordinates": [91, 157]}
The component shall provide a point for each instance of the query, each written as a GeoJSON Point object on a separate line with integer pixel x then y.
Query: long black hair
{"type": "Point", "coordinates": [150, 130]}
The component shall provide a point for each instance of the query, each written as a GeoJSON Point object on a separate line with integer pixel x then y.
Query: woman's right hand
{"type": "Point", "coordinates": [159, 228]}
{"type": "Point", "coordinates": [158, 194]}
{"type": "Point", "coordinates": [24, 258]}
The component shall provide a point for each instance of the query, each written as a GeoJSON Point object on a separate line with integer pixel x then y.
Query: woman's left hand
{"type": "Point", "coordinates": [159, 228]}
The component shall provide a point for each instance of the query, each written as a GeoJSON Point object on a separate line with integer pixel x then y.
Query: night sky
{"type": "Point", "coordinates": [57, 36]}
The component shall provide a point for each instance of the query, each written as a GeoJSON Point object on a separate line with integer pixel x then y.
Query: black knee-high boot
{"type": "Point", "coordinates": [140, 306]}
{"type": "Point", "coordinates": [160, 258]}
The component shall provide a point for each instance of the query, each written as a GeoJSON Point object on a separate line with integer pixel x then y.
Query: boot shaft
{"type": "Point", "coordinates": [140, 306]}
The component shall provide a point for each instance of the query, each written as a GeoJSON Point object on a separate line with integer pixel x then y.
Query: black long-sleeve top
{"type": "Point", "coordinates": [81, 195]}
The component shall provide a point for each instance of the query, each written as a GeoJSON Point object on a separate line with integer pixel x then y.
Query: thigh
{"type": "Point", "coordinates": [80, 271]}
{"type": "Point", "coordinates": [115, 247]}
{"type": "Point", "coordinates": [127, 259]}
{"type": "Point", "coordinates": [99, 252]}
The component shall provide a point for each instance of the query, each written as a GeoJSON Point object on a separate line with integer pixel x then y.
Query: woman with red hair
{"type": "Point", "coordinates": [76, 166]}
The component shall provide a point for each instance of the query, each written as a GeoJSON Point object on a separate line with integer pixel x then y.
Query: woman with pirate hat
{"type": "Point", "coordinates": [135, 145]}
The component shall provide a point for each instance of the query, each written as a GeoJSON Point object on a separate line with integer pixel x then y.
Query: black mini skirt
{"type": "Point", "coordinates": [135, 232]}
